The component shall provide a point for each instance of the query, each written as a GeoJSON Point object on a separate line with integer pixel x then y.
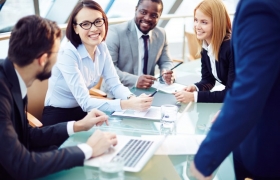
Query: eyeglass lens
{"type": "Point", "coordinates": [87, 25]}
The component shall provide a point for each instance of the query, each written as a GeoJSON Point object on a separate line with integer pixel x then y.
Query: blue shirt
{"type": "Point", "coordinates": [75, 73]}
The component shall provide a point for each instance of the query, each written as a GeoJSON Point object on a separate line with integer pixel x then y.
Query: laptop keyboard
{"type": "Point", "coordinates": [133, 151]}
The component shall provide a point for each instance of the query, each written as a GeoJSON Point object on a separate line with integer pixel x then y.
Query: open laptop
{"type": "Point", "coordinates": [136, 151]}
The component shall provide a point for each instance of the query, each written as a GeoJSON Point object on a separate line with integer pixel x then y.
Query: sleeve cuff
{"type": "Point", "coordinates": [87, 150]}
{"type": "Point", "coordinates": [136, 81]}
{"type": "Point", "coordinates": [195, 96]}
{"type": "Point", "coordinates": [70, 128]}
{"type": "Point", "coordinates": [116, 104]}
{"type": "Point", "coordinates": [196, 88]}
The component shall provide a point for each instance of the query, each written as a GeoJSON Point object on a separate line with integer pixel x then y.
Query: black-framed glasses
{"type": "Point", "coordinates": [86, 25]}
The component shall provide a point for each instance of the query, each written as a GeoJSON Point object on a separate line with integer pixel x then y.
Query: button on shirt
{"type": "Point", "coordinates": [212, 64]}
{"type": "Point", "coordinates": [75, 73]}
{"type": "Point", "coordinates": [87, 150]}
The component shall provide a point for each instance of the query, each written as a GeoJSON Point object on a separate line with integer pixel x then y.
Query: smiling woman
{"type": "Point", "coordinates": [212, 27]}
{"type": "Point", "coordinates": [80, 65]}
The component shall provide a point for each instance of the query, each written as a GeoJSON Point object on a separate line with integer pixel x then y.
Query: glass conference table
{"type": "Point", "coordinates": [196, 120]}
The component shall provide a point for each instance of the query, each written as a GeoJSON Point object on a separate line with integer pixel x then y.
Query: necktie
{"type": "Point", "coordinates": [146, 56]}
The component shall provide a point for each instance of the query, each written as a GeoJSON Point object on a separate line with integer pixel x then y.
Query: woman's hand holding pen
{"type": "Point", "coordinates": [140, 103]}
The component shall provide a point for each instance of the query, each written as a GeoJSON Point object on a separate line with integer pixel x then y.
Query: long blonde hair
{"type": "Point", "coordinates": [216, 10]}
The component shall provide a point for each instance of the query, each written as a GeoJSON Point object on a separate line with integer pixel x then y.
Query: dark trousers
{"type": "Point", "coordinates": [241, 172]}
{"type": "Point", "coordinates": [53, 115]}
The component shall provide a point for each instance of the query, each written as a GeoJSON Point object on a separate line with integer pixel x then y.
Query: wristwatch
{"type": "Point", "coordinates": [128, 97]}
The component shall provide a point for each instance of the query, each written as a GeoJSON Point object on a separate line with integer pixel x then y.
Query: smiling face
{"type": "Point", "coordinates": [203, 26]}
{"type": "Point", "coordinates": [147, 15]}
{"type": "Point", "coordinates": [93, 36]}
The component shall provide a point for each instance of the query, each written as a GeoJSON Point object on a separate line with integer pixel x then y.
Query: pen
{"type": "Point", "coordinates": [171, 69]}
{"type": "Point", "coordinates": [154, 93]}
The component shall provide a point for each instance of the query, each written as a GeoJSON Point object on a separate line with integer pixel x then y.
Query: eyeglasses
{"type": "Point", "coordinates": [87, 25]}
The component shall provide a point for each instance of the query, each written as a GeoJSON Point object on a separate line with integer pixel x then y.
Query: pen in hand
{"type": "Point", "coordinates": [171, 69]}
{"type": "Point", "coordinates": [153, 93]}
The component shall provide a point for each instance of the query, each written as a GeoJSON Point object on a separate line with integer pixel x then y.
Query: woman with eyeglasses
{"type": "Point", "coordinates": [80, 64]}
{"type": "Point", "coordinates": [213, 31]}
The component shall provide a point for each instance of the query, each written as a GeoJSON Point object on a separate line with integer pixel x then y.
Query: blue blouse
{"type": "Point", "coordinates": [75, 73]}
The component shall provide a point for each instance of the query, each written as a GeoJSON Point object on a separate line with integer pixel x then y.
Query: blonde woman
{"type": "Point", "coordinates": [212, 27]}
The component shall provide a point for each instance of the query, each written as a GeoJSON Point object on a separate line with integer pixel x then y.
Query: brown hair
{"type": "Point", "coordinates": [70, 33]}
{"type": "Point", "coordinates": [31, 37]}
{"type": "Point", "coordinates": [216, 10]}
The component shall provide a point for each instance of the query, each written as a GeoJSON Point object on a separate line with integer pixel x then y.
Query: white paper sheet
{"type": "Point", "coordinates": [153, 113]}
{"type": "Point", "coordinates": [168, 88]}
{"type": "Point", "coordinates": [180, 144]}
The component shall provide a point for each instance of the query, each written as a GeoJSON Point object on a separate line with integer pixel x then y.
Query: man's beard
{"type": "Point", "coordinates": [45, 74]}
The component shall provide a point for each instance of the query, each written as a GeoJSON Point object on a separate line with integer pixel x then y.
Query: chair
{"type": "Point", "coordinates": [95, 92]}
{"type": "Point", "coordinates": [192, 45]}
{"type": "Point", "coordinates": [36, 96]}
{"type": "Point", "coordinates": [177, 60]}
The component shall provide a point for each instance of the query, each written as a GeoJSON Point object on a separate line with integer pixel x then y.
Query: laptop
{"type": "Point", "coordinates": [136, 152]}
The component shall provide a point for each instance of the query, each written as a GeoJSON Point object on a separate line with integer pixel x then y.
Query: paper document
{"type": "Point", "coordinates": [180, 144]}
{"type": "Point", "coordinates": [168, 88]}
{"type": "Point", "coordinates": [153, 113]}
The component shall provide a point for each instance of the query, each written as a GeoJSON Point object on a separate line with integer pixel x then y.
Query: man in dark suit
{"type": "Point", "coordinates": [126, 44]}
{"type": "Point", "coordinates": [249, 123]}
{"type": "Point", "coordinates": [33, 48]}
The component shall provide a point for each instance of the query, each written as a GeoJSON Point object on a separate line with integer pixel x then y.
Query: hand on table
{"type": "Point", "coordinates": [184, 96]}
{"type": "Point", "coordinates": [100, 142]}
{"type": "Point", "coordinates": [94, 117]}
{"type": "Point", "coordinates": [190, 88]}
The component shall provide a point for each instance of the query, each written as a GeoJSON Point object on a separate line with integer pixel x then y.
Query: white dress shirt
{"type": "Point", "coordinates": [75, 73]}
{"type": "Point", "coordinates": [141, 49]}
{"type": "Point", "coordinates": [87, 150]}
{"type": "Point", "coordinates": [212, 64]}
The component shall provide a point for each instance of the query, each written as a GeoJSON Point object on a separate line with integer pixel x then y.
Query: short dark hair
{"type": "Point", "coordinates": [156, 1]}
{"type": "Point", "coordinates": [70, 33]}
{"type": "Point", "coordinates": [31, 37]}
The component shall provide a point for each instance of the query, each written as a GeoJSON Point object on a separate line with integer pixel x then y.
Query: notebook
{"type": "Point", "coordinates": [136, 151]}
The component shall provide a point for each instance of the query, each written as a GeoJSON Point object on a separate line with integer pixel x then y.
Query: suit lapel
{"type": "Point", "coordinates": [131, 34]}
{"type": "Point", "coordinates": [218, 69]}
{"type": "Point", "coordinates": [153, 48]}
{"type": "Point", "coordinates": [13, 79]}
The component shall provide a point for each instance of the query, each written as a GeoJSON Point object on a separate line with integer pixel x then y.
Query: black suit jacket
{"type": "Point", "coordinates": [18, 141]}
{"type": "Point", "coordinates": [225, 72]}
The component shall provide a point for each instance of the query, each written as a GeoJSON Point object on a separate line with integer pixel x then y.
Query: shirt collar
{"type": "Point", "coordinates": [139, 33]}
{"type": "Point", "coordinates": [207, 47]}
{"type": "Point", "coordinates": [83, 51]}
{"type": "Point", "coordinates": [22, 85]}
